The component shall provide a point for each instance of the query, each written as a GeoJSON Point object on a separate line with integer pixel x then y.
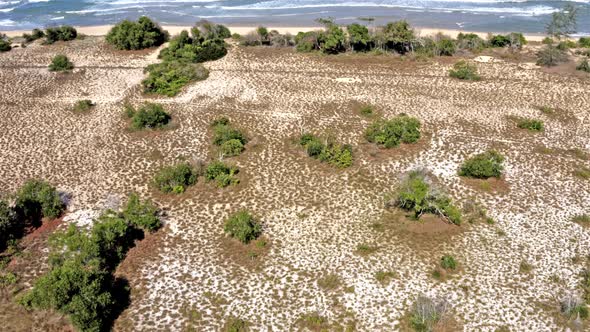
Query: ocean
{"type": "Point", "coordinates": [529, 16]}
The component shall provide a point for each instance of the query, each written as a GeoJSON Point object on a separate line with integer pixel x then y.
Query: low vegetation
{"type": "Point", "coordinates": [176, 178]}
{"type": "Point", "coordinates": [574, 307]}
{"type": "Point", "coordinates": [36, 34]}
{"type": "Point", "coordinates": [533, 125]}
{"type": "Point", "coordinates": [80, 282]}
{"type": "Point", "coordinates": [231, 141]}
{"type": "Point", "coordinates": [169, 77]}
{"type": "Point", "coordinates": [148, 116]}
{"type": "Point", "coordinates": [464, 71]}
{"type": "Point", "coordinates": [200, 46]}
{"type": "Point", "coordinates": [4, 43]}
{"type": "Point", "coordinates": [61, 63]}
{"type": "Point", "coordinates": [393, 132]}
{"type": "Point", "coordinates": [129, 35]}
{"type": "Point", "coordinates": [339, 155]}
{"type": "Point", "coordinates": [427, 313]}
{"type": "Point", "coordinates": [419, 194]}
{"type": "Point", "coordinates": [484, 165]}
{"type": "Point", "coordinates": [582, 172]}
{"type": "Point", "coordinates": [83, 106]}
{"type": "Point", "coordinates": [583, 219]}
{"type": "Point", "coordinates": [223, 175]}
{"type": "Point", "coordinates": [62, 33]}
{"type": "Point", "coordinates": [550, 56]}
{"type": "Point", "coordinates": [448, 262]}
{"type": "Point", "coordinates": [242, 226]}
{"type": "Point", "coordinates": [584, 66]}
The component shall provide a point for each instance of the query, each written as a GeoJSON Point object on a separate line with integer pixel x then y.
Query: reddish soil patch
{"type": "Point", "coordinates": [489, 185]}
{"type": "Point", "coordinates": [249, 255]}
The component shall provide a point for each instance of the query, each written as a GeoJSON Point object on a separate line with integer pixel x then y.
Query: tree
{"type": "Point", "coordinates": [150, 115]}
{"type": "Point", "coordinates": [564, 22]}
{"type": "Point", "coordinates": [358, 37]}
{"type": "Point", "coordinates": [9, 226]}
{"type": "Point", "coordinates": [242, 226]}
{"type": "Point", "coordinates": [399, 36]}
{"type": "Point", "coordinates": [334, 39]}
{"type": "Point", "coordinates": [550, 56]}
{"type": "Point", "coordinates": [144, 33]}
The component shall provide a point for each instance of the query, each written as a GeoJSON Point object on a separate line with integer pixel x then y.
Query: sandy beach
{"type": "Point", "coordinates": [101, 30]}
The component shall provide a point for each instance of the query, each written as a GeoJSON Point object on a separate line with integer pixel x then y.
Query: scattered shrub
{"type": "Point", "coordinates": [222, 174]}
{"type": "Point", "coordinates": [143, 215]}
{"type": "Point", "coordinates": [390, 133]}
{"type": "Point", "coordinates": [445, 46]}
{"type": "Point", "coordinates": [582, 219]}
{"type": "Point", "coordinates": [223, 132]}
{"type": "Point", "coordinates": [531, 124]}
{"type": "Point", "coordinates": [62, 33]}
{"type": "Point", "coordinates": [193, 49]}
{"type": "Point", "coordinates": [584, 65]}
{"type": "Point", "coordinates": [232, 147]}
{"type": "Point", "coordinates": [384, 276]}
{"type": "Point", "coordinates": [418, 194]}
{"type": "Point", "coordinates": [332, 153]}
{"type": "Point", "coordinates": [37, 199]}
{"type": "Point", "coordinates": [243, 227]}
{"type": "Point", "coordinates": [573, 307]}
{"type": "Point", "coordinates": [367, 110]}
{"type": "Point", "coordinates": [308, 41]}
{"type": "Point", "coordinates": [470, 41]}
{"type": "Point", "coordinates": [566, 44]}
{"type": "Point", "coordinates": [582, 172]}
{"type": "Point", "coordinates": [60, 62]}
{"type": "Point", "coordinates": [236, 325]}
{"type": "Point", "coordinates": [168, 78]}
{"type": "Point", "coordinates": [82, 106]}
{"type": "Point", "coordinates": [550, 56]}
{"type": "Point", "coordinates": [144, 33]}
{"type": "Point", "coordinates": [34, 35]}
{"type": "Point", "coordinates": [547, 41]}
{"type": "Point", "coordinates": [150, 115]}
{"type": "Point", "coordinates": [10, 227]}
{"type": "Point", "coordinates": [484, 165]}
{"type": "Point", "coordinates": [584, 42]}
{"type": "Point", "coordinates": [427, 313]}
{"type": "Point", "coordinates": [464, 71]}
{"type": "Point", "coordinates": [448, 262]}
{"type": "Point", "coordinates": [499, 41]}
{"type": "Point", "coordinates": [358, 37]}
{"type": "Point", "coordinates": [176, 178]}
{"type": "Point", "coordinates": [4, 43]}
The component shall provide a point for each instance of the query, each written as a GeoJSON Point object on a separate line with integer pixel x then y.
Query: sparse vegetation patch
{"type": "Point", "coordinates": [393, 132]}
{"type": "Point", "coordinates": [169, 77]}
{"type": "Point", "coordinates": [222, 174]}
{"type": "Point", "coordinates": [464, 71]}
{"type": "Point", "coordinates": [329, 151]}
{"type": "Point", "coordinates": [61, 63]}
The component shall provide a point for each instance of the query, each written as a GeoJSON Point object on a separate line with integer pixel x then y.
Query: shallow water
{"type": "Point", "coordinates": [528, 16]}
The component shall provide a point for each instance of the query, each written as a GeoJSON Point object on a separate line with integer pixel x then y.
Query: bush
{"type": "Point", "coordinates": [584, 42]}
{"type": "Point", "coordinates": [584, 65]}
{"type": "Point", "coordinates": [35, 34]}
{"type": "Point", "coordinates": [10, 227]}
{"type": "Point", "coordinates": [464, 71]}
{"type": "Point", "coordinates": [335, 154]}
{"type": "Point", "coordinates": [448, 262]}
{"type": "Point", "coordinates": [4, 43]}
{"type": "Point", "coordinates": [484, 165]}
{"type": "Point", "coordinates": [222, 174]}
{"type": "Point", "coordinates": [62, 33]}
{"type": "Point", "coordinates": [150, 115]}
{"type": "Point", "coordinates": [144, 33]}
{"type": "Point", "coordinates": [176, 178]}
{"type": "Point", "coordinates": [334, 40]}
{"type": "Point", "coordinates": [308, 41]}
{"type": "Point", "coordinates": [143, 215]}
{"type": "Point", "coordinates": [470, 41]}
{"type": "Point", "coordinates": [427, 312]}
{"type": "Point", "coordinates": [499, 41]}
{"type": "Point", "coordinates": [169, 77]}
{"type": "Point", "coordinates": [193, 49]}
{"type": "Point", "coordinates": [83, 106]}
{"type": "Point", "coordinates": [445, 47]}
{"type": "Point", "coordinates": [232, 147]}
{"type": "Point", "coordinates": [573, 307]}
{"type": "Point", "coordinates": [547, 41]}
{"type": "Point", "coordinates": [37, 199]}
{"type": "Point", "coordinates": [418, 195]}
{"type": "Point", "coordinates": [390, 133]}
{"type": "Point", "coordinates": [223, 133]}
{"type": "Point", "coordinates": [60, 62]}
{"type": "Point", "coordinates": [531, 124]}
{"type": "Point", "coordinates": [566, 44]}
{"type": "Point", "coordinates": [243, 227]}
{"type": "Point", "coordinates": [550, 56]}
{"type": "Point", "coordinates": [367, 110]}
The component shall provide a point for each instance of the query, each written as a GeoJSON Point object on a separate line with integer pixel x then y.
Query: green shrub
{"type": "Point", "coordinates": [10, 227]}
{"type": "Point", "coordinates": [339, 155]}
{"type": "Point", "coordinates": [573, 307]}
{"type": "Point", "coordinates": [582, 172]}
{"type": "Point", "coordinates": [144, 33]}
{"type": "Point", "coordinates": [367, 110]}
{"type": "Point", "coordinates": [448, 262]}
{"type": "Point", "coordinates": [547, 41]}
{"type": "Point", "coordinates": [4, 43]}
{"type": "Point", "coordinates": [60, 62]}
{"type": "Point", "coordinates": [417, 194]}
{"type": "Point", "coordinates": [227, 137]}
{"type": "Point", "coordinates": [550, 56]}
{"type": "Point", "coordinates": [232, 147]}
{"type": "Point", "coordinates": [150, 115]}
{"type": "Point", "coordinates": [36, 199]}
{"type": "Point", "coordinates": [82, 106]}
{"type": "Point", "coordinates": [470, 41]}
{"type": "Point", "coordinates": [34, 35]}
{"type": "Point", "coordinates": [169, 77]}
{"type": "Point", "coordinates": [484, 165]}
{"type": "Point", "coordinates": [499, 41]}
{"type": "Point", "coordinates": [308, 41]}
{"type": "Point", "coordinates": [584, 65]}
{"type": "Point", "coordinates": [582, 219]}
{"type": "Point", "coordinates": [143, 215]}
{"type": "Point", "coordinates": [584, 42]}
{"type": "Point", "coordinates": [531, 124]}
{"type": "Point", "coordinates": [390, 133]}
{"type": "Point", "coordinates": [62, 33]}
{"type": "Point", "coordinates": [195, 49]}
{"type": "Point", "coordinates": [566, 45]}
{"type": "Point", "coordinates": [176, 178]}
{"type": "Point", "coordinates": [446, 47]}
{"type": "Point", "coordinates": [464, 71]}
{"type": "Point", "coordinates": [222, 174]}
{"type": "Point", "coordinates": [243, 227]}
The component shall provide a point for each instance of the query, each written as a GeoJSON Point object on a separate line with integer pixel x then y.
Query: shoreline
{"type": "Point", "coordinates": [102, 30]}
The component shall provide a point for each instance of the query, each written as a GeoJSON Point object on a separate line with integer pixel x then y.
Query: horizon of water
{"type": "Point", "coordinates": [528, 16]}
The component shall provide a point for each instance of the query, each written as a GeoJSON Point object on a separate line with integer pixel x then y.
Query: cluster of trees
{"type": "Point", "coordinates": [242, 226]}
{"type": "Point", "coordinates": [60, 63]}
{"type": "Point", "coordinates": [464, 70]}
{"type": "Point", "coordinates": [129, 35]}
{"type": "Point", "coordinates": [419, 194]}
{"type": "Point", "coordinates": [33, 201]}
{"type": "Point", "coordinates": [231, 141]}
{"type": "Point", "coordinates": [390, 133]}
{"type": "Point", "coordinates": [149, 115]}
{"type": "Point", "coordinates": [261, 36]}
{"type": "Point", "coordinates": [483, 165]}
{"type": "Point", "coordinates": [339, 155]}
{"type": "Point", "coordinates": [80, 282]}
{"type": "Point", "coordinates": [4, 43]}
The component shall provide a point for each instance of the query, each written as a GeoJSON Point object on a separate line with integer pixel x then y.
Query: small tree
{"type": "Point", "coordinates": [484, 165]}
{"type": "Point", "coordinates": [144, 33]}
{"type": "Point", "coordinates": [550, 56]}
{"type": "Point", "coordinates": [61, 62]}
{"type": "Point", "coordinates": [150, 115]}
{"type": "Point", "coordinates": [222, 174]}
{"type": "Point", "coordinates": [398, 36]}
{"type": "Point", "coordinates": [243, 227]}
{"type": "Point", "coordinates": [358, 37]}
{"type": "Point", "coordinates": [563, 23]}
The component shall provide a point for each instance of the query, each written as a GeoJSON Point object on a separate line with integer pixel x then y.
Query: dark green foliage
{"type": "Point", "coordinates": [334, 40]}
{"type": "Point", "coordinates": [222, 174]}
{"type": "Point", "coordinates": [531, 124]}
{"type": "Point", "coordinates": [83, 106]}
{"type": "Point", "coordinates": [448, 262]}
{"type": "Point", "coordinates": [143, 215]}
{"type": "Point", "coordinates": [446, 47]}
{"type": "Point", "coordinates": [550, 56]}
{"type": "Point", "coordinates": [584, 65]}
{"type": "Point", "coordinates": [169, 77]}
{"type": "Point", "coordinates": [242, 226]}
{"type": "Point", "coordinates": [398, 36]}
{"type": "Point", "coordinates": [150, 115]}
{"type": "Point", "coordinates": [333, 153]}
{"type": "Point", "coordinates": [227, 137]}
{"type": "Point", "coordinates": [547, 41]}
{"type": "Point", "coordinates": [176, 178]}
{"type": "Point", "coordinates": [358, 37]}
{"type": "Point", "coordinates": [193, 49]}
{"type": "Point", "coordinates": [35, 34]}
{"type": "Point", "coordinates": [464, 71]}
{"type": "Point", "coordinates": [418, 195]}
{"type": "Point", "coordinates": [583, 219]}
{"type": "Point", "coordinates": [144, 33]}
{"type": "Point", "coordinates": [584, 42]}
{"type": "Point", "coordinates": [10, 227]}
{"type": "Point", "coordinates": [37, 199]}
{"type": "Point", "coordinates": [499, 41]}
{"type": "Point", "coordinates": [4, 43]}
{"type": "Point", "coordinates": [60, 62]}
{"type": "Point", "coordinates": [484, 165]}
{"type": "Point", "coordinates": [62, 33]}
{"type": "Point", "coordinates": [308, 41]}
{"type": "Point", "coordinates": [470, 41]}
{"type": "Point", "coordinates": [390, 133]}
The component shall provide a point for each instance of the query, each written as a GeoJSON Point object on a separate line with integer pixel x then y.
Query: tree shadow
{"type": "Point", "coordinates": [121, 293]}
